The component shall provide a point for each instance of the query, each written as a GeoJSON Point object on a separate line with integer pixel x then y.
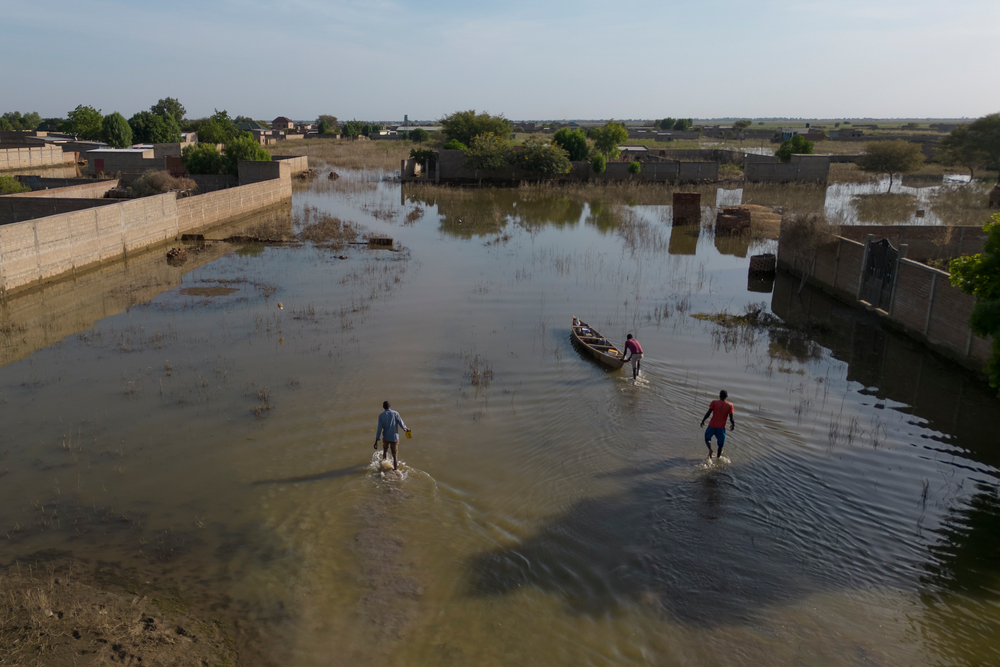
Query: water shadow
{"type": "Point", "coordinates": [711, 549]}
{"type": "Point", "coordinates": [318, 477]}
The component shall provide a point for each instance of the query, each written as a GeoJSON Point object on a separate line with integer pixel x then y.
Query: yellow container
{"type": "Point", "coordinates": [409, 435]}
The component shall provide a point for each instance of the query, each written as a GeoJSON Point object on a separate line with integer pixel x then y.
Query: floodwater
{"type": "Point", "coordinates": [208, 428]}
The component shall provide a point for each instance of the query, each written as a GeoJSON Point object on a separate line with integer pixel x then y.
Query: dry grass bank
{"type": "Point", "coordinates": [54, 619]}
{"type": "Point", "coordinates": [347, 154]}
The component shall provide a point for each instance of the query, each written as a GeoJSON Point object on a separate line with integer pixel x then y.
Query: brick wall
{"type": "Point", "coordinates": [924, 304]}
{"type": "Point", "coordinates": [20, 158]}
{"type": "Point", "coordinates": [800, 169]}
{"type": "Point", "coordinates": [17, 209]}
{"type": "Point", "coordinates": [451, 164]}
{"type": "Point", "coordinates": [38, 250]}
{"type": "Point", "coordinates": [923, 241]}
{"type": "Point", "coordinates": [74, 188]}
{"type": "Point", "coordinates": [215, 207]}
{"type": "Point", "coordinates": [297, 163]}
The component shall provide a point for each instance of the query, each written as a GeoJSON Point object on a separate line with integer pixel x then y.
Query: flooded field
{"type": "Point", "coordinates": [202, 435]}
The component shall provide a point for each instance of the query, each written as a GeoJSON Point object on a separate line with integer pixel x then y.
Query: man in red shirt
{"type": "Point", "coordinates": [635, 354]}
{"type": "Point", "coordinates": [719, 410]}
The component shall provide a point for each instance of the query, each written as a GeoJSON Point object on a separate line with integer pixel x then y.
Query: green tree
{"type": "Point", "coordinates": [203, 159]}
{"type": "Point", "coordinates": [6, 125]}
{"type": "Point", "coordinates": [149, 128]}
{"type": "Point", "coordinates": [115, 131]}
{"type": "Point", "coordinates": [797, 145]}
{"type": "Point", "coordinates": [487, 152]}
{"type": "Point", "coordinates": [323, 127]}
{"type": "Point", "coordinates": [465, 125]}
{"type": "Point", "coordinates": [352, 129]}
{"type": "Point", "coordinates": [607, 138]}
{"type": "Point", "coordinates": [219, 129]}
{"type": "Point", "coordinates": [634, 167]}
{"type": "Point", "coordinates": [979, 275]}
{"type": "Point", "coordinates": [542, 158]}
{"type": "Point", "coordinates": [421, 155]}
{"type": "Point", "coordinates": [984, 134]}
{"type": "Point", "coordinates": [573, 142]}
{"type": "Point", "coordinates": [84, 122]}
{"type": "Point", "coordinates": [330, 120]}
{"type": "Point", "coordinates": [169, 106]}
{"type": "Point", "coordinates": [891, 157]}
{"type": "Point", "coordinates": [243, 148]}
{"type": "Point", "coordinates": [683, 124]}
{"type": "Point", "coordinates": [454, 144]}
{"type": "Point", "coordinates": [667, 123]}
{"type": "Point", "coordinates": [957, 150]}
{"type": "Point", "coordinates": [599, 163]}
{"type": "Point", "coordinates": [28, 121]}
{"type": "Point", "coordinates": [419, 135]}
{"type": "Point", "coordinates": [740, 127]}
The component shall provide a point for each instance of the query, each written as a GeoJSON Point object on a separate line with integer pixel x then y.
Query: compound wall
{"type": "Point", "coordinates": [35, 251]}
{"type": "Point", "coordinates": [924, 304]}
{"type": "Point", "coordinates": [22, 158]}
{"type": "Point", "coordinates": [800, 169]}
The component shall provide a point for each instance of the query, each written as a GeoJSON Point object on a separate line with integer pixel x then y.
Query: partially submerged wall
{"type": "Point", "coordinates": [923, 241]}
{"type": "Point", "coordinates": [800, 169]}
{"type": "Point", "coordinates": [451, 168]}
{"type": "Point", "coordinates": [35, 251]}
{"type": "Point", "coordinates": [923, 304]}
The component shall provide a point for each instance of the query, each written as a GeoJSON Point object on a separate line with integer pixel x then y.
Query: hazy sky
{"type": "Point", "coordinates": [381, 59]}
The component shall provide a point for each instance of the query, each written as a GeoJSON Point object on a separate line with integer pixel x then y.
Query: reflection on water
{"type": "Point", "coordinates": [196, 436]}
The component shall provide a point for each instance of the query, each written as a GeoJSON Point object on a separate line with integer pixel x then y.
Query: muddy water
{"type": "Point", "coordinates": [209, 428]}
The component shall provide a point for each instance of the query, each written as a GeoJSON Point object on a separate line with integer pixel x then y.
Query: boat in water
{"type": "Point", "coordinates": [596, 345]}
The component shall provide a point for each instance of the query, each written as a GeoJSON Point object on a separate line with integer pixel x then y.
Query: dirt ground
{"type": "Point", "coordinates": [55, 619]}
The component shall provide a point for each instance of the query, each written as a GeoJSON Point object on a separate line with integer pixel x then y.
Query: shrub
{"type": "Point", "coordinates": [203, 159]}
{"type": "Point", "coordinates": [634, 167]}
{"type": "Point", "coordinates": [157, 182]}
{"type": "Point", "coordinates": [542, 158]}
{"type": "Point", "coordinates": [11, 186]}
{"type": "Point", "coordinates": [487, 152]}
{"type": "Point", "coordinates": [797, 145]}
{"type": "Point", "coordinates": [243, 148]}
{"type": "Point", "coordinates": [454, 145]}
{"type": "Point", "coordinates": [599, 163]}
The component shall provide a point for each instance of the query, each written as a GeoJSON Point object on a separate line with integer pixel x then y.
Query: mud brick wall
{"type": "Point", "coordinates": [21, 158]}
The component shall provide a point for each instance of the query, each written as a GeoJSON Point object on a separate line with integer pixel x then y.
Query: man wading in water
{"type": "Point", "coordinates": [719, 410]}
{"type": "Point", "coordinates": [635, 351]}
{"type": "Point", "coordinates": [387, 423]}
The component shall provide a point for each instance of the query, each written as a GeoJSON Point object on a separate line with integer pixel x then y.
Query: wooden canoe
{"type": "Point", "coordinates": [596, 345]}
